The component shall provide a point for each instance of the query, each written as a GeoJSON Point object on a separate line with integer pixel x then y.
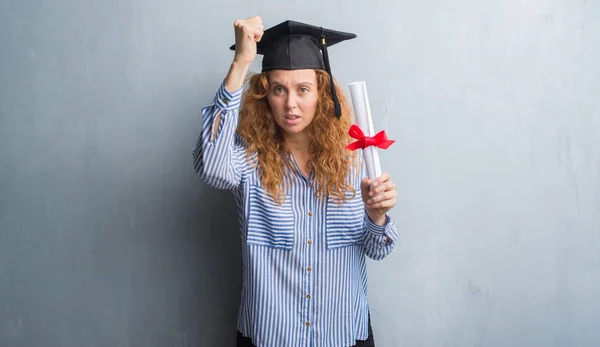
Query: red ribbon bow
{"type": "Point", "coordinates": [379, 140]}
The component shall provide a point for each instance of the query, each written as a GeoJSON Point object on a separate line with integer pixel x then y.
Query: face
{"type": "Point", "coordinates": [293, 97]}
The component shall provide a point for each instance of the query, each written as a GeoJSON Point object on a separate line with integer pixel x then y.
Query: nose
{"type": "Point", "coordinates": [291, 101]}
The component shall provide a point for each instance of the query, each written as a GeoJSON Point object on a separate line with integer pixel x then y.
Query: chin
{"type": "Point", "coordinates": [293, 129]}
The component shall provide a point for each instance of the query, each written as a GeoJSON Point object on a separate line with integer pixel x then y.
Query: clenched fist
{"type": "Point", "coordinates": [247, 33]}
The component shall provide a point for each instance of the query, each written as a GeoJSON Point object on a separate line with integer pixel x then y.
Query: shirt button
{"type": "Point", "coordinates": [307, 324]}
{"type": "Point", "coordinates": [309, 268]}
{"type": "Point", "coordinates": [308, 296]}
{"type": "Point", "coordinates": [225, 101]}
{"type": "Point", "coordinates": [310, 214]}
{"type": "Point", "coordinates": [310, 242]}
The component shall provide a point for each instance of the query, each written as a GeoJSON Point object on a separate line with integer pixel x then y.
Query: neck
{"type": "Point", "coordinates": [297, 144]}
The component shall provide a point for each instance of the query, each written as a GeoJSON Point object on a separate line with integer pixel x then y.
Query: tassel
{"type": "Point", "coordinates": [336, 102]}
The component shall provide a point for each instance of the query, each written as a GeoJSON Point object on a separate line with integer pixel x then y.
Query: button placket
{"type": "Point", "coordinates": [309, 252]}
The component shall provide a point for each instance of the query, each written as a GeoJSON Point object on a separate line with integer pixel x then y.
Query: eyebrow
{"type": "Point", "coordinates": [301, 83]}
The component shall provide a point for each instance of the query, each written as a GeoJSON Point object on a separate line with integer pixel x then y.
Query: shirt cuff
{"type": "Point", "coordinates": [388, 230]}
{"type": "Point", "coordinates": [226, 100]}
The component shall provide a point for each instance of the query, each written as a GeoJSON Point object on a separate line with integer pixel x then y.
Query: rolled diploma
{"type": "Point", "coordinates": [362, 112]}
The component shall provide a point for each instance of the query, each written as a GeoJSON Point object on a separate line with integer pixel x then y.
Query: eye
{"type": "Point", "coordinates": [278, 90]}
{"type": "Point", "coordinates": [304, 90]}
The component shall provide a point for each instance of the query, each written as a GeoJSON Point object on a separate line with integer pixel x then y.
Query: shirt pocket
{"type": "Point", "coordinates": [345, 223]}
{"type": "Point", "coordinates": [269, 224]}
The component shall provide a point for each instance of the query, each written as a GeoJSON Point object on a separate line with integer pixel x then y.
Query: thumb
{"type": "Point", "coordinates": [365, 184]}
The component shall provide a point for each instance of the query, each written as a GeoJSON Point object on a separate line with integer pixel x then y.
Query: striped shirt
{"type": "Point", "coordinates": [304, 267]}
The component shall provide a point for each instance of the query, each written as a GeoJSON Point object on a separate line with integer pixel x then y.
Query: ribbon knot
{"type": "Point", "coordinates": [380, 139]}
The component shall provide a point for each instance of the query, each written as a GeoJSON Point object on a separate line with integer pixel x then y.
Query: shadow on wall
{"type": "Point", "coordinates": [213, 220]}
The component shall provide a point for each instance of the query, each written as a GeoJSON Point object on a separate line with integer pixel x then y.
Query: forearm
{"type": "Point", "coordinates": [236, 75]}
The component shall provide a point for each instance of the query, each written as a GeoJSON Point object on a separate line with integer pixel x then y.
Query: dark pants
{"type": "Point", "coordinates": [369, 342]}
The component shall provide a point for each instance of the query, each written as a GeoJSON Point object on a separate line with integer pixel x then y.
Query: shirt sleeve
{"type": "Point", "coordinates": [378, 241]}
{"type": "Point", "coordinates": [219, 158]}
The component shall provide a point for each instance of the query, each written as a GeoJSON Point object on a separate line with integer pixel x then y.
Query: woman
{"type": "Point", "coordinates": [307, 219]}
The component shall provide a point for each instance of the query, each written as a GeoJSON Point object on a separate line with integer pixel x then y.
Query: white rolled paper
{"type": "Point", "coordinates": [362, 112]}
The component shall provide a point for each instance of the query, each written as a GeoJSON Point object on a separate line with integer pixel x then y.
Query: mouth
{"type": "Point", "coordinates": [292, 119]}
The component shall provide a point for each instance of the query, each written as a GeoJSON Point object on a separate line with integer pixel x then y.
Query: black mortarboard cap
{"type": "Point", "coordinates": [293, 45]}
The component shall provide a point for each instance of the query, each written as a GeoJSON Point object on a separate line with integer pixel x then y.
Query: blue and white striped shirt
{"type": "Point", "coordinates": [304, 266]}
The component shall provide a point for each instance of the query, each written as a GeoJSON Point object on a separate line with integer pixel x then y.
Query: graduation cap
{"type": "Point", "coordinates": [293, 45]}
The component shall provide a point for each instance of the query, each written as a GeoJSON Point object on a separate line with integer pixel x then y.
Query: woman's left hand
{"type": "Point", "coordinates": [380, 199]}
